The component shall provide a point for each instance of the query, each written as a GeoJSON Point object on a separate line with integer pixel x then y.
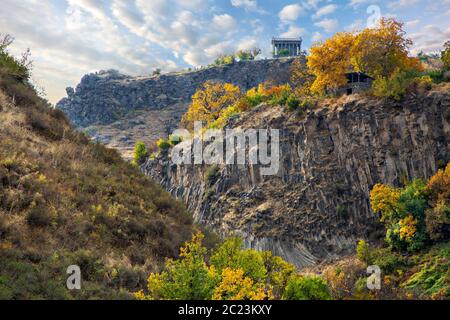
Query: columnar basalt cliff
{"type": "Point", "coordinates": [317, 207]}
{"type": "Point", "coordinates": [119, 109]}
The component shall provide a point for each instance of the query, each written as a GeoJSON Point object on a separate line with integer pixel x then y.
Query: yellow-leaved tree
{"type": "Point", "coordinates": [329, 61]}
{"type": "Point", "coordinates": [208, 101]}
{"type": "Point", "coordinates": [381, 51]}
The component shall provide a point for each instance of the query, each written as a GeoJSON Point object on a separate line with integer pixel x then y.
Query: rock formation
{"type": "Point", "coordinates": [318, 205]}
{"type": "Point", "coordinates": [118, 110]}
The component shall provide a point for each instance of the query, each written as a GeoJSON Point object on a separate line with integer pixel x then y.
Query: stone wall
{"type": "Point", "coordinates": [317, 207]}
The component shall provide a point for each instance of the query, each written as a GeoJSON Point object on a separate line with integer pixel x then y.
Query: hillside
{"type": "Point", "coordinates": [65, 201]}
{"type": "Point", "coordinates": [317, 206]}
{"type": "Point", "coordinates": [118, 110]}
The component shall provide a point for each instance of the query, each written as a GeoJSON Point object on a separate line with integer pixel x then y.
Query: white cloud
{"type": "Point", "coordinates": [325, 10]}
{"type": "Point", "coordinates": [294, 32]}
{"type": "Point", "coordinates": [291, 12]}
{"type": "Point", "coordinates": [247, 4]}
{"type": "Point", "coordinates": [356, 3]}
{"type": "Point", "coordinates": [398, 4]}
{"type": "Point", "coordinates": [412, 23]}
{"type": "Point", "coordinates": [329, 25]}
{"type": "Point", "coordinates": [431, 38]}
{"type": "Point", "coordinates": [317, 36]}
{"type": "Point", "coordinates": [225, 22]}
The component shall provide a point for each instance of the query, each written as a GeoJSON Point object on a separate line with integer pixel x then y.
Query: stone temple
{"type": "Point", "coordinates": [286, 47]}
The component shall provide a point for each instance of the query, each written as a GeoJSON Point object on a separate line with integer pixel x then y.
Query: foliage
{"type": "Point", "coordinates": [140, 153]}
{"type": "Point", "coordinates": [163, 144]}
{"type": "Point", "coordinates": [416, 214]}
{"type": "Point", "coordinates": [208, 102]}
{"type": "Point", "coordinates": [432, 275]}
{"type": "Point", "coordinates": [380, 52]}
{"type": "Point", "coordinates": [399, 83]}
{"type": "Point", "coordinates": [383, 51]}
{"type": "Point", "coordinates": [283, 53]}
{"type": "Point", "coordinates": [307, 288]}
{"type": "Point", "coordinates": [363, 252]}
{"type": "Point", "coordinates": [329, 61]}
{"type": "Point", "coordinates": [60, 193]}
{"type": "Point", "coordinates": [445, 55]}
{"type": "Point", "coordinates": [230, 273]}
{"type": "Point", "coordinates": [224, 60]}
{"type": "Point", "coordinates": [188, 278]}
{"type": "Point", "coordinates": [236, 286]}
{"type": "Point", "coordinates": [18, 68]}
{"type": "Point", "coordinates": [247, 55]}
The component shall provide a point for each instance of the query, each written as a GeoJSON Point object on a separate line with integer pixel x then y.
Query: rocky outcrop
{"type": "Point", "coordinates": [118, 109]}
{"type": "Point", "coordinates": [317, 206]}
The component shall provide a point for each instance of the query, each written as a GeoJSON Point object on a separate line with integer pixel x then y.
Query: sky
{"type": "Point", "coordinates": [70, 38]}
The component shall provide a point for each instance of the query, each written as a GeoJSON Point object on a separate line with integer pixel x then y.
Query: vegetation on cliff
{"type": "Point", "coordinates": [67, 201]}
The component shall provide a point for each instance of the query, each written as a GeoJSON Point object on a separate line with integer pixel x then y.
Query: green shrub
{"type": "Point", "coordinates": [140, 153]}
{"type": "Point", "coordinates": [307, 288]}
{"type": "Point", "coordinates": [292, 103]}
{"type": "Point", "coordinates": [20, 69]}
{"type": "Point", "coordinates": [363, 252]}
{"type": "Point", "coordinates": [163, 144]}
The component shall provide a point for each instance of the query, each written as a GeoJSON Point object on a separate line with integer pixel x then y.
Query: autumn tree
{"type": "Point", "coordinates": [301, 77]}
{"type": "Point", "coordinates": [236, 286]}
{"type": "Point", "coordinates": [208, 101]}
{"type": "Point", "coordinates": [329, 61]}
{"type": "Point", "coordinates": [381, 51]}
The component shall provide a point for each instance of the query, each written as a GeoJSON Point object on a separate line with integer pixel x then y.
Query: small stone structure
{"type": "Point", "coordinates": [357, 82]}
{"type": "Point", "coordinates": [287, 47]}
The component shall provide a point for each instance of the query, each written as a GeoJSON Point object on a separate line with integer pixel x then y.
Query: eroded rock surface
{"type": "Point", "coordinates": [317, 207]}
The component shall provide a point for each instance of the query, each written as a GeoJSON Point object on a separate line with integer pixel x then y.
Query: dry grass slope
{"type": "Point", "coordinates": [65, 200]}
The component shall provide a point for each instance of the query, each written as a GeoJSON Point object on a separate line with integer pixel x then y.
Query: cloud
{"type": "Point", "coordinates": [317, 36]}
{"type": "Point", "coordinates": [290, 13]}
{"type": "Point", "coordinates": [294, 32]}
{"type": "Point", "coordinates": [329, 25]}
{"type": "Point", "coordinates": [325, 10]}
{"type": "Point", "coordinates": [251, 5]}
{"type": "Point", "coordinates": [431, 38]}
{"type": "Point", "coordinates": [357, 3]}
{"type": "Point", "coordinates": [225, 22]}
{"type": "Point", "coordinates": [398, 4]}
{"type": "Point", "coordinates": [412, 23]}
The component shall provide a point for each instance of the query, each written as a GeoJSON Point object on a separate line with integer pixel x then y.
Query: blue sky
{"type": "Point", "coordinates": [70, 38]}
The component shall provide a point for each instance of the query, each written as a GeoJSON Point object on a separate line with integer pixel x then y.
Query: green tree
{"type": "Point", "coordinates": [188, 278]}
{"type": "Point", "coordinates": [140, 153]}
{"type": "Point", "coordinates": [232, 255]}
{"type": "Point", "coordinates": [307, 288]}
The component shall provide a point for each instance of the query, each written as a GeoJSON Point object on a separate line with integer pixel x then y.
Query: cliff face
{"type": "Point", "coordinates": [118, 109]}
{"type": "Point", "coordinates": [318, 205]}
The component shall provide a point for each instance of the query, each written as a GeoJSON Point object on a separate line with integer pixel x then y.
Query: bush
{"type": "Point", "coordinates": [39, 216]}
{"type": "Point", "coordinates": [163, 144]}
{"type": "Point", "coordinates": [292, 103]}
{"type": "Point", "coordinates": [140, 153]}
{"type": "Point", "coordinates": [19, 69]}
{"type": "Point", "coordinates": [363, 252]}
{"type": "Point", "coordinates": [307, 288]}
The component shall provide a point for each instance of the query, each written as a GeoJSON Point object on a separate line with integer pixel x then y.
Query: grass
{"type": "Point", "coordinates": [65, 200]}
